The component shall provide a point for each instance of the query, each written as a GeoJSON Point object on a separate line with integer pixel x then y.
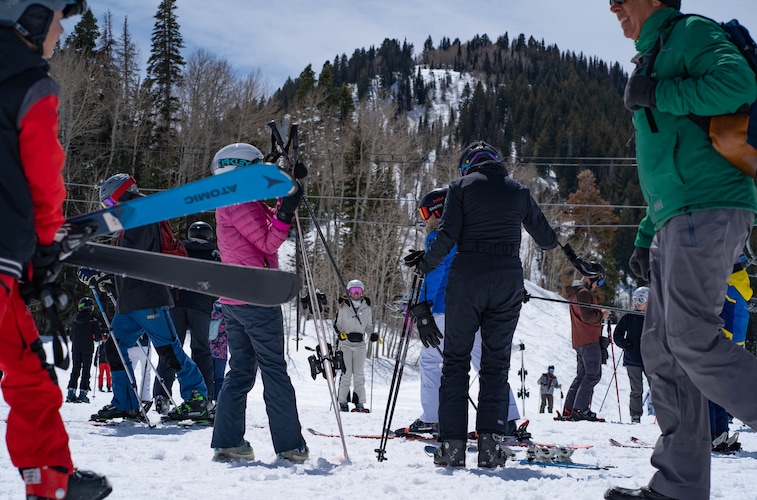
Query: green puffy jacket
{"type": "Point", "coordinates": [698, 72]}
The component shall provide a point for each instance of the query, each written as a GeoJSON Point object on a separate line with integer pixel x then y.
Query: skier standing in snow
{"type": "Point", "coordinates": [354, 320]}
{"type": "Point", "coordinates": [483, 214]}
{"type": "Point", "coordinates": [735, 316]}
{"type": "Point", "coordinates": [700, 211]}
{"type": "Point", "coordinates": [433, 293]}
{"type": "Point", "coordinates": [250, 234]}
{"type": "Point", "coordinates": [142, 308]}
{"type": "Point", "coordinates": [585, 332]}
{"type": "Point", "coordinates": [627, 336]}
{"type": "Point", "coordinates": [31, 202]}
{"type": "Point", "coordinates": [547, 385]}
{"type": "Point", "coordinates": [85, 331]}
{"type": "Point", "coordinates": [191, 311]}
{"type": "Point", "coordinates": [103, 366]}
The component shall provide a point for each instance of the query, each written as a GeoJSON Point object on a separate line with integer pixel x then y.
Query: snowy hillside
{"type": "Point", "coordinates": [171, 462]}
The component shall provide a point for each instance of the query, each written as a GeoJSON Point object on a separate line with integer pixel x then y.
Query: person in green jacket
{"type": "Point", "coordinates": [700, 211]}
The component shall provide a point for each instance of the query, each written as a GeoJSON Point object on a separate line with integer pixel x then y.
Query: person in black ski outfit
{"type": "Point", "coordinates": [191, 312]}
{"type": "Point", "coordinates": [627, 336]}
{"type": "Point", "coordinates": [483, 214]}
{"type": "Point", "coordinates": [85, 331]}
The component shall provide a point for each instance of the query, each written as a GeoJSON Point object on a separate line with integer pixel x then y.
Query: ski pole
{"type": "Point", "coordinates": [399, 366]}
{"type": "Point", "coordinates": [327, 363]}
{"type": "Point", "coordinates": [129, 374]}
{"type": "Point", "coordinates": [614, 368]}
{"type": "Point", "coordinates": [282, 150]}
{"type": "Point", "coordinates": [614, 371]}
{"type": "Point", "coordinates": [527, 296]}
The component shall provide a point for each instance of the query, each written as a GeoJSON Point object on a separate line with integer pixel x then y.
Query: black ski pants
{"type": "Point", "coordinates": [486, 292]}
{"type": "Point", "coordinates": [81, 364]}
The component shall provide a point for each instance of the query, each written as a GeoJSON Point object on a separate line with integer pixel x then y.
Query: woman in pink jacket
{"type": "Point", "coordinates": [250, 234]}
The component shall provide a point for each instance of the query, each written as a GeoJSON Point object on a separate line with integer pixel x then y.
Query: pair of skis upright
{"type": "Point", "coordinates": [266, 287]}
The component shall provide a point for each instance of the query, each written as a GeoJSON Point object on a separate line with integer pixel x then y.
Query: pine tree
{"type": "Point", "coordinates": [164, 75]}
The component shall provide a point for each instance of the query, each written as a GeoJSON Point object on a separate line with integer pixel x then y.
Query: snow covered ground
{"type": "Point", "coordinates": [173, 462]}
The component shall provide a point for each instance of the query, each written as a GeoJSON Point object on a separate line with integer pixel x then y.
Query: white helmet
{"type": "Point", "coordinates": [355, 284]}
{"type": "Point", "coordinates": [235, 155]}
{"type": "Point", "coordinates": [640, 295]}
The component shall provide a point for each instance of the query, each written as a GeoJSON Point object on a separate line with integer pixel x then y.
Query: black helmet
{"type": "Point", "coordinates": [86, 304]}
{"type": "Point", "coordinates": [201, 231]}
{"type": "Point", "coordinates": [433, 203]}
{"type": "Point", "coordinates": [32, 18]}
{"type": "Point", "coordinates": [119, 187]}
{"type": "Point", "coordinates": [477, 153]}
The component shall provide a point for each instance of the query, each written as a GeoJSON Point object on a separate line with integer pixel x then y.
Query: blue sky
{"type": "Point", "coordinates": [280, 37]}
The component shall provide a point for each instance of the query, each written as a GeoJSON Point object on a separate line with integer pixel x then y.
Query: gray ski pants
{"type": "Point", "coordinates": [686, 357]}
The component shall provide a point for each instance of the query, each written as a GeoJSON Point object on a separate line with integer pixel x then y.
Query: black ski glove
{"type": "Point", "coordinates": [413, 258]}
{"type": "Point", "coordinates": [427, 329]}
{"type": "Point", "coordinates": [582, 266]}
{"type": "Point", "coordinates": [374, 337]}
{"type": "Point", "coordinates": [639, 262]}
{"type": "Point", "coordinates": [640, 92]}
{"type": "Point", "coordinates": [288, 205]}
{"type": "Point", "coordinates": [300, 171]}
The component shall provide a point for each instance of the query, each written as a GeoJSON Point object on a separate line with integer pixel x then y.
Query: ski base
{"type": "Point", "coordinates": [567, 465]}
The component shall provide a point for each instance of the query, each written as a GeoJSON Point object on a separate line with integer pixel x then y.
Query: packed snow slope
{"type": "Point", "coordinates": [175, 462]}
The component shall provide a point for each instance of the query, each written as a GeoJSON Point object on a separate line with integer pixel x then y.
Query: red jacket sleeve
{"type": "Point", "coordinates": [42, 159]}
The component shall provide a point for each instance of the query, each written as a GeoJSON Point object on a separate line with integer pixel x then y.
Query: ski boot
{"type": "Point", "coordinates": [345, 407]}
{"type": "Point", "coordinates": [71, 396]}
{"type": "Point", "coordinates": [83, 397]}
{"type": "Point", "coordinates": [451, 453]}
{"type": "Point", "coordinates": [55, 482]}
{"type": "Point", "coordinates": [421, 427]}
{"type": "Point", "coordinates": [162, 404]}
{"type": "Point", "coordinates": [234, 454]}
{"type": "Point", "coordinates": [643, 493]}
{"type": "Point", "coordinates": [491, 453]}
{"type": "Point", "coordinates": [360, 409]}
{"type": "Point", "coordinates": [297, 455]}
{"type": "Point", "coordinates": [194, 408]}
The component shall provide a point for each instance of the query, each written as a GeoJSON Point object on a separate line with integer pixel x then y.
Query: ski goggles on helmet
{"type": "Point", "coordinates": [427, 212]}
{"type": "Point", "coordinates": [355, 290]}
{"type": "Point", "coordinates": [128, 185]}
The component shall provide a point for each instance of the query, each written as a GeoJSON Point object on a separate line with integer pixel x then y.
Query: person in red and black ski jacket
{"type": "Point", "coordinates": [31, 203]}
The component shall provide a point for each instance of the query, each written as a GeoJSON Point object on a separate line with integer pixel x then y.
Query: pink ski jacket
{"type": "Point", "coordinates": [249, 234]}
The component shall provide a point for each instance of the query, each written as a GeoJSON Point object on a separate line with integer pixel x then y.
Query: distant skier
{"type": "Point", "coordinates": [142, 307]}
{"type": "Point", "coordinates": [85, 331]}
{"type": "Point", "coordinates": [354, 320]}
{"type": "Point", "coordinates": [250, 234]}
{"type": "Point", "coordinates": [191, 311]}
{"type": "Point", "coordinates": [547, 385]}
{"type": "Point", "coordinates": [627, 336]}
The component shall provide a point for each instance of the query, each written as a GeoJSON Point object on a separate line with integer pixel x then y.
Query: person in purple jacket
{"type": "Point", "coordinates": [250, 234]}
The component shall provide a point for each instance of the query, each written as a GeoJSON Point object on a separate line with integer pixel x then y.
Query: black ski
{"type": "Point", "coordinates": [264, 287]}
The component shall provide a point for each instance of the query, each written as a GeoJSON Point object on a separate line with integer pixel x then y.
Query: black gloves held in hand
{"type": "Point", "coordinates": [427, 329]}
{"type": "Point", "coordinates": [585, 268]}
{"type": "Point", "coordinates": [288, 205]}
{"type": "Point", "coordinates": [45, 263]}
{"type": "Point", "coordinates": [413, 258]}
{"type": "Point", "coordinates": [640, 92]}
{"type": "Point", "coordinates": [374, 337]}
{"type": "Point", "coordinates": [639, 262]}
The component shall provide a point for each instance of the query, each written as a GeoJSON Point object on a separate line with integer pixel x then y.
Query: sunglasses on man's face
{"type": "Point", "coordinates": [619, 2]}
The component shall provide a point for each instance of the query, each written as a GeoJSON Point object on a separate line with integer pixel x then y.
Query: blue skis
{"type": "Point", "coordinates": [257, 182]}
